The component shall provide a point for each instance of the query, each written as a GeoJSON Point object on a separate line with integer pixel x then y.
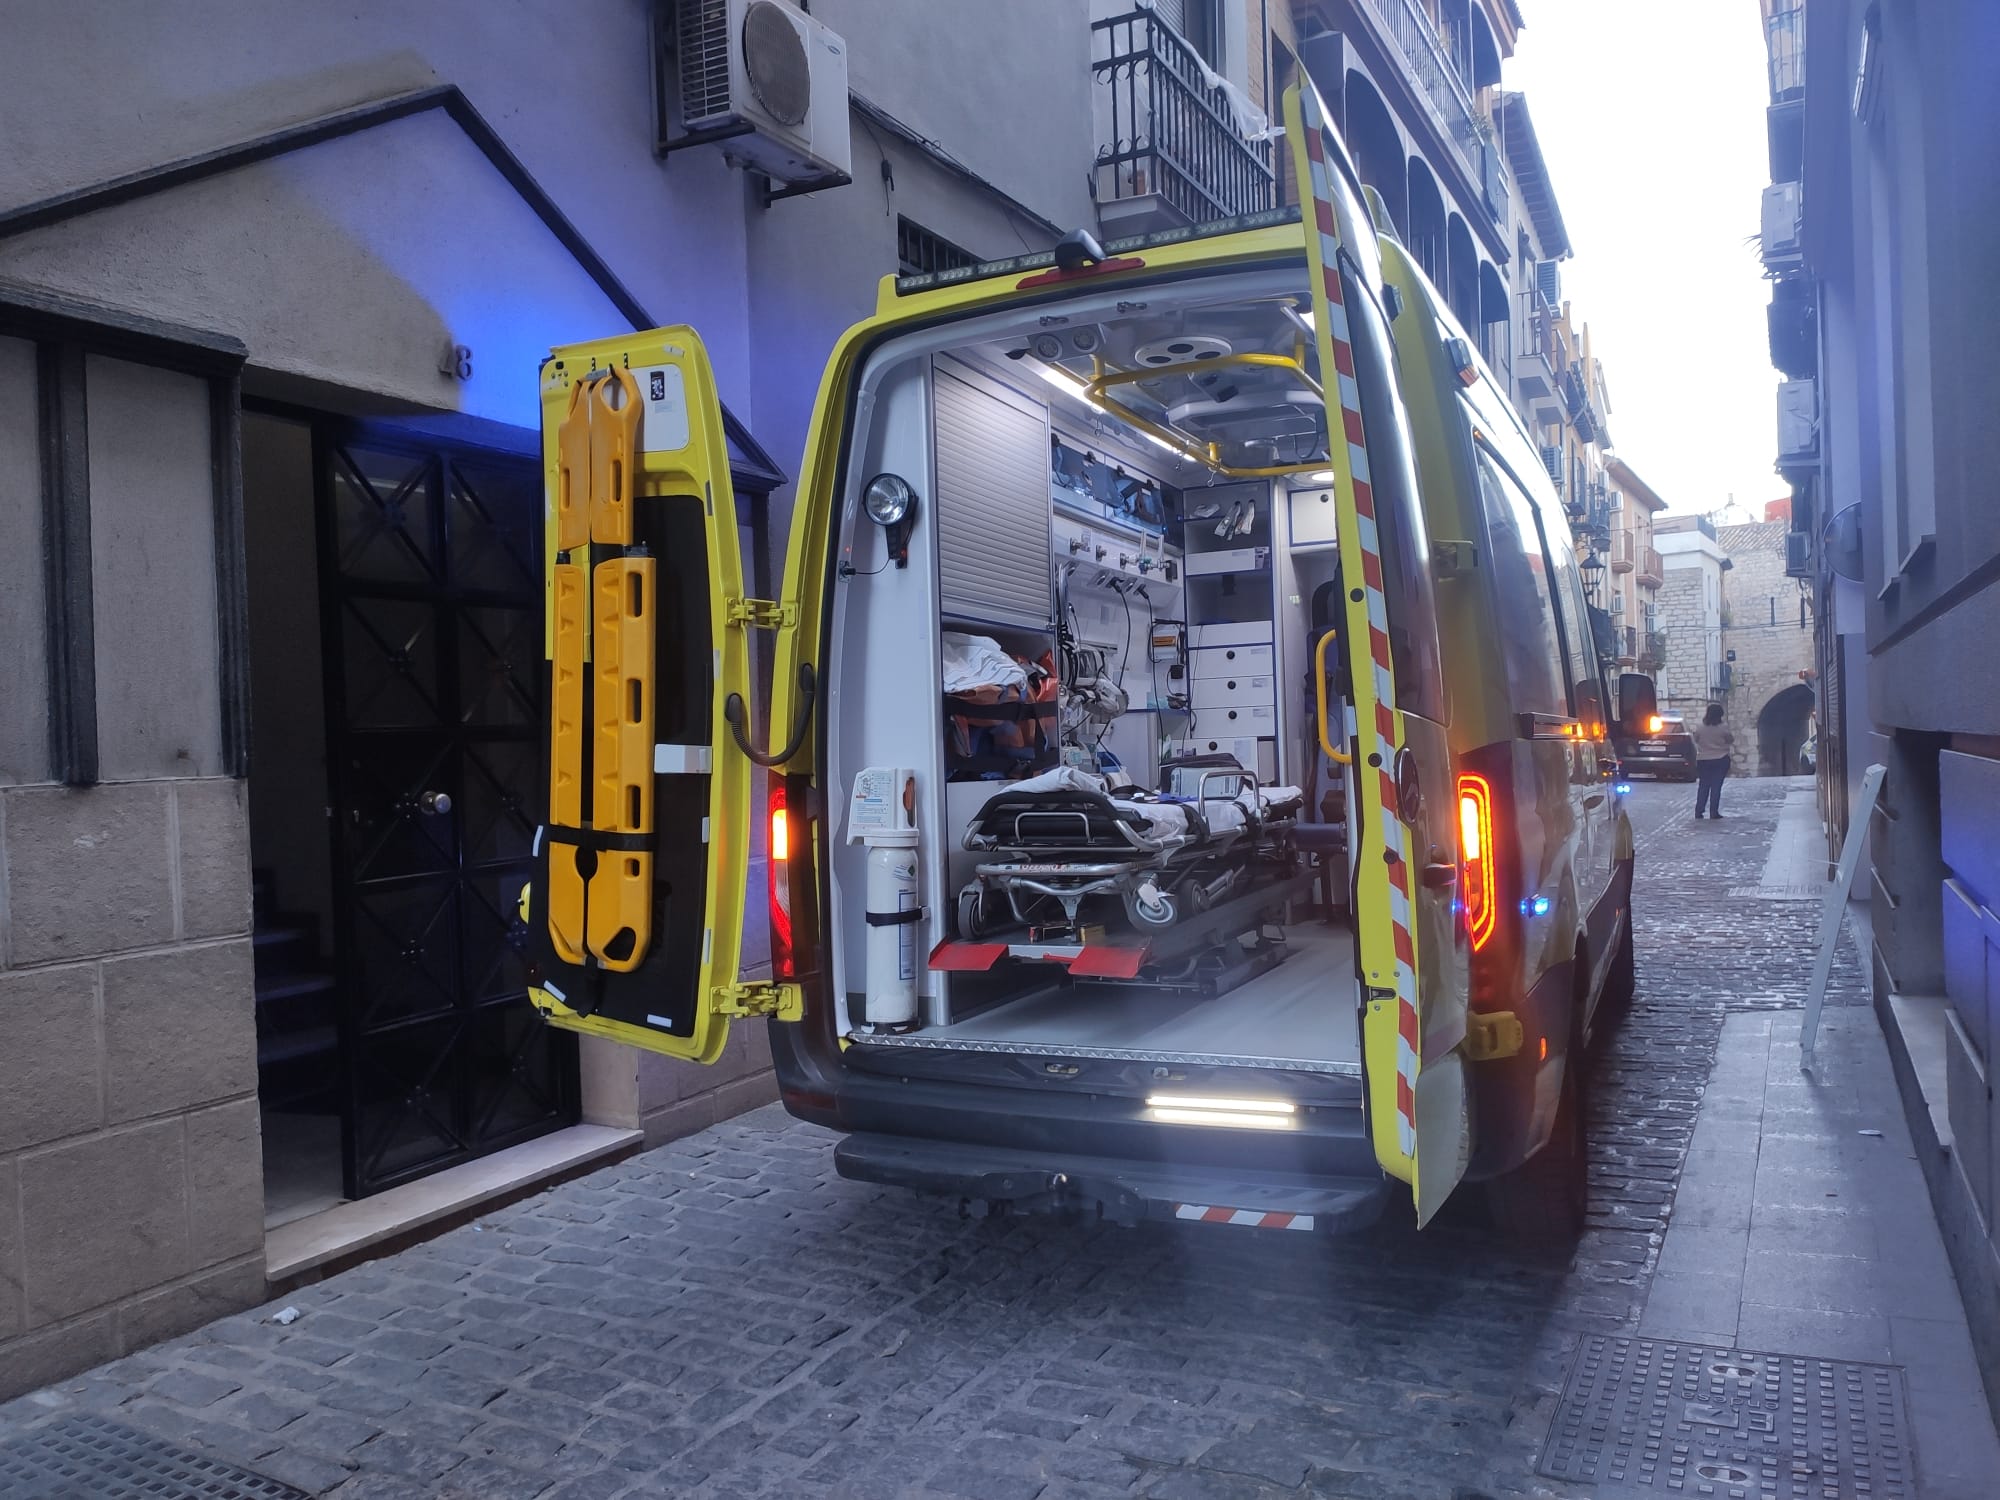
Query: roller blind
{"type": "Point", "coordinates": [992, 504]}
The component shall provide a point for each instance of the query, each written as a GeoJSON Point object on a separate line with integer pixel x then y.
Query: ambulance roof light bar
{"type": "Point", "coordinates": [1047, 259]}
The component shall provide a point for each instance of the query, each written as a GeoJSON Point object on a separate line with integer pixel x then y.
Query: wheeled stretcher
{"type": "Point", "coordinates": [1113, 882]}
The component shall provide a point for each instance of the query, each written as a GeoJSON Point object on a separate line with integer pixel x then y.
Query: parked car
{"type": "Point", "coordinates": [1665, 749]}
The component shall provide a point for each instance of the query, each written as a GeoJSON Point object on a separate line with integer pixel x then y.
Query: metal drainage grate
{"type": "Point", "coordinates": [87, 1456]}
{"type": "Point", "coordinates": [1643, 1417]}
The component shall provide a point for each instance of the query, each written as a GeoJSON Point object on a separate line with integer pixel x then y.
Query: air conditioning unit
{"type": "Point", "coordinates": [766, 81]}
{"type": "Point", "coordinates": [1798, 424]}
{"type": "Point", "coordinates": [1781, 224]}
{"type": "Point", "coordinates": [1552, 460]}
{"type": "Point", "coordinates": [1798, 554]}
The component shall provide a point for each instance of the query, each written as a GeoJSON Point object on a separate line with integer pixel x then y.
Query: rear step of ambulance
{"type": "Point", "coordinates": [996, 1180]}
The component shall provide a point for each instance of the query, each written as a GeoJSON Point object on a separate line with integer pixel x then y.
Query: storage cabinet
{"type": "Point", "coordinates": [1229, 661]}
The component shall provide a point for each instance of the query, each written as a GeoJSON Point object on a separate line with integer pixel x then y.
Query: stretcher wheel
{"type": "Point", "coordinates": [1151, 914]}
{"type": "Point", "coordinates": [972, 921]}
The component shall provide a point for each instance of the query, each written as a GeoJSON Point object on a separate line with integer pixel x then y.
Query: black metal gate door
{"type": "Point", "coordinates": [430, 588]}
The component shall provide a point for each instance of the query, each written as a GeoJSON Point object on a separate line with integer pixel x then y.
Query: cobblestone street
{"type": "Point", "coordinates": [725, 1316]}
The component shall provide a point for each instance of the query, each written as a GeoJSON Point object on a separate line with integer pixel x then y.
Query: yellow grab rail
{"type": "Point", "coordinates": [1208, 455]}
{"type": "Point", "coordinates": [1338, 757]}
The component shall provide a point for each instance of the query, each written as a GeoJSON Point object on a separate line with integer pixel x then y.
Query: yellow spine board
{"type": "Point", "coordinates": [566, 731]}
{"type": "Point", "coordinates": [621, 889]}
{"type": "Point", "coordinates": [614, 440]}
{"type": "Point", "coordinates": [572, 497]}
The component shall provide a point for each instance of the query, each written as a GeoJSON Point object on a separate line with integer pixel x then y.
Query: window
{"type": "Point", "coordinates": [1618, 604]}
{"type": "Point", "coordinates": [1399, 522]}
{"type": "Point", "coordinates": [919, 252]}
{"type": "Point", "coordinates": [1530, 637]}
{"type": "Point", "coordinates": [1617, 500]}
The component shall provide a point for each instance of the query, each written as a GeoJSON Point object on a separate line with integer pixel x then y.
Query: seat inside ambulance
{"type": "Point", "coordinates": [1099, 673]}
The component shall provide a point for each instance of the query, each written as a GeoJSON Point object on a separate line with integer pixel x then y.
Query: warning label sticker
{"type": "Point", "coordinates": [665, 428]}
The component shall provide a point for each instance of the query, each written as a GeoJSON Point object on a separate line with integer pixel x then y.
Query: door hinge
{"type": "Point", "coordinates": [761, 614]}
{"type": "Point", "coordinates": [1492, 1034]}
{"type": "Point", "coordinates": [785, 1002]}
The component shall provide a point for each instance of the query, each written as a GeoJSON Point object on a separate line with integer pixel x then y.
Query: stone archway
{"type": "Point", "coordinates": [1782, 726]}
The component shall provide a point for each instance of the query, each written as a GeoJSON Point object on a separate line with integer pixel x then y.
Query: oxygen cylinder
{"type": "Point", "coordinates": [893, 914]}
{"type": "Point", "coordinates": [882, 814]}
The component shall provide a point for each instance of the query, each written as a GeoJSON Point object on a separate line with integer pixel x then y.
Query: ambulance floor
{"type": "Point", "coordinates": [1298, 1015]}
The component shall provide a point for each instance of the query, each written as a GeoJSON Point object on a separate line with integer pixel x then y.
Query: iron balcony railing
{"type": "Point", "coordinates": [1649, 565]}
{"type": "Point", "coordinates": [1785, 41]}
{"type": "Point", "coordinates": [1656, 648]}
{"type": "Point", "coordinates": [1169, 131]}
{"type": "Point", "coordinates": [1593, 521]}
{"type": "Point", "coordinates": [1437, 77]}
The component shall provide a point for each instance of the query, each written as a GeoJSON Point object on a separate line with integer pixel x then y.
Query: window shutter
{"type": "Point", "coordinates": [1548, 281]}
{"type": "Point", "coordinates": [992, 504]}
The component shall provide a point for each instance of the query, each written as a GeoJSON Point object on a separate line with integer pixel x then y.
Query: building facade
{"type": "Point", "coordinates": [1880, 238]}
{"type": "Point", "coordinates": [1693, 568]}
{"type": "Point", "coordinates": [1636, 568]}
{"type": "Point", "coordinates": [1767, 648]}
{"type": "Point", "coordinates": [271, 468]}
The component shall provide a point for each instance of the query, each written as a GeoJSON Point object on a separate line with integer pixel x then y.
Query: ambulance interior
{"type": "Point", "coordinates": [1094, 671]}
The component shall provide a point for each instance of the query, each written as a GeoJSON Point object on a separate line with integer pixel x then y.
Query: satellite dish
{"type": "Point", "coordinates": [1840, 543]}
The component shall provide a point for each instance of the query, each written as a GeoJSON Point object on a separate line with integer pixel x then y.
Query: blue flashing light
{"type": "Point", "coordinates": [1534, 906]}
{"type": "Point", "coordinates": [1622, 788]}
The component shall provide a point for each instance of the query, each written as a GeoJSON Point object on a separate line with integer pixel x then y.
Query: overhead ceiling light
{"type": "Point", "coordinates": [1320, 476]}
{"type": "Point", "coordinates": [1060, 378]}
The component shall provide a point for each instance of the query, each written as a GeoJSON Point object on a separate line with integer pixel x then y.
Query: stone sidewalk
{"type": "Point", "coordinates": [725, 1316]}
{"type": "Point", "coordinates": [1821, 1241]}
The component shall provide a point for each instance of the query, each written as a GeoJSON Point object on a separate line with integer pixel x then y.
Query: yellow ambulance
{"type": "Point", "coordinates": [1185, 781]}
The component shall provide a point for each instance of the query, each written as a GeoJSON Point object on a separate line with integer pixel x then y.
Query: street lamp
{"type": "Point", "coordinates": [1592, 568]}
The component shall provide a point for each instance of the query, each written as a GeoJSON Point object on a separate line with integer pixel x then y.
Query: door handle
{"type": "Point", "coordinates": [1338, 757]}
{"type": "Point", "coordinates": [436, 804]}
{"type": "Point", "coordinates": [738, 715]}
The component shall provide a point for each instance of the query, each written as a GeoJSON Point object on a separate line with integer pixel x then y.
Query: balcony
{"type": "Point", "coordinates": [1622, 550]}
{"type": "Point", "coordinates": [1650, 569]}
{"type": "Point", "coordinates": [1653, 651]}
{"type": "Point", "coordinates": [1628, 645]}
{"type": "Point", "coordinates": [1438, 81]}
{"type": "Point", "coordinates": [1174, 148]}
{"type": "Point", "coordinates": [1785, 42]}
{"type": "Point", "coordinates": [1593, 521]}
{"type": "Point", "coordinates": [1576, 396]}
{"type": "Point", "coordinates": [1535, 367]}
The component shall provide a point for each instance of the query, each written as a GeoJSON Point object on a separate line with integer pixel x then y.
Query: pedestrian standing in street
{"type": "Point", "coordinates": [1712, 744]}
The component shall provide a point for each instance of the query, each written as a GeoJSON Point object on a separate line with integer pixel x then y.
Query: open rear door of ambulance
{"type": "Point", "coordinates": [1405, 856]}
{"type": "Point", "coordinates": [635, 912]}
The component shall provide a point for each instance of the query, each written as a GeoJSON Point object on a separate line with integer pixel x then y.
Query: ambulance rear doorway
{"type": "Point", "coordinates": [1079, 801]}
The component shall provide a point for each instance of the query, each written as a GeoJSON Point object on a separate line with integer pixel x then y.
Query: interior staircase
{"type": "Point", "coordinates": [297, 1036]}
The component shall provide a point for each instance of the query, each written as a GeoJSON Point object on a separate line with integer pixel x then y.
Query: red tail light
{"type": "Point", "coordinates": [784, 960]}
{"type": "Point", "coordinates": [1477, 858]}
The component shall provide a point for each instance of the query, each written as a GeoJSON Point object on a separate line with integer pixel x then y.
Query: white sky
{"type": "Point", "coordinates": [1651, 120]}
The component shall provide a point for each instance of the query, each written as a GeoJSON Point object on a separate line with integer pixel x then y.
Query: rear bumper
{"type": "Point", "coordinates": [1127, 1192]}
{"type": "Point", "coordinates": [1658, 762]}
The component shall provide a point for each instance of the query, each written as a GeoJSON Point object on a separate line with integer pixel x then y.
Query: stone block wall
{"type": "Point", "coordinates": [1763, 630]}
{"type": "Point", "coordinates": [1684, 682]}
{"type": "Point", "coordinates": [667, 1098]}
{"type": "Point", "coordinates": [131, 1179]}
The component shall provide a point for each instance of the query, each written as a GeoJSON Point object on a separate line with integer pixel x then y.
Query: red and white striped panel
{"type": "Point", "coordinates": [1395, 836]}
{"type": "Point", "coordinates": [1203, 1214]}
